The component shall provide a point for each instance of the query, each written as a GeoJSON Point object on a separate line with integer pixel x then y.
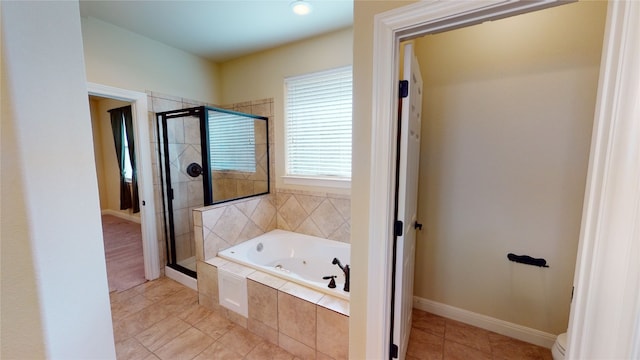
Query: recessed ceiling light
{"type": "Point", "coordinates": [300, 7]}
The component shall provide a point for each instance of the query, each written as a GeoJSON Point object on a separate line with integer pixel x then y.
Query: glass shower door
{"type": "Point", "coordinates": [232, 164]}
{"type": "Point", "coordinates": [182, 183]}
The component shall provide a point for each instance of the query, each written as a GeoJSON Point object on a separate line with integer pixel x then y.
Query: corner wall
{"type": "Point", "coordinates": [55, 297]}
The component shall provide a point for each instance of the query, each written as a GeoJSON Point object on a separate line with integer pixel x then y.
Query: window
{"type": "Point", "coordinates": [318, 125]}
{"type": "Point", "coordinates": [128, 169]}
{"type": "Point", "coordinates": [233, 144]}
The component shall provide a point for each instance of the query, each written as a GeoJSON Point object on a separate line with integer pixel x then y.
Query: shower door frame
{"type": "Point", "coordinates": [200, 112]}
{"type": "Point", "coordinates": [165, 180]}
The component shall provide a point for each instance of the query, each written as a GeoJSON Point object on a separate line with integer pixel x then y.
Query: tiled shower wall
{"type": "Point", "coordinates": [185, 138]}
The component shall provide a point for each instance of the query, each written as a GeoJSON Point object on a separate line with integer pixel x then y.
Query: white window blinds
{"type": "Point", "coordinates": [318, 124]}
{"type": "Point", "coordinates": [232, 142]}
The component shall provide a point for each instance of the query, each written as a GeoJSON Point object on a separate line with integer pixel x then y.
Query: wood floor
{"type": "Point", "coordinates": [123, 252]}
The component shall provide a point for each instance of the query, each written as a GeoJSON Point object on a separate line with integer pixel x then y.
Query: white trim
{"type": "Point", "coordinates": [605, 317]}
{"type": "Point", "coordinates": [183, 279]}
{"type": "Point", "coordinates": [122, 215]}
{"type": "Point", "coordinates": [389, 28]}
{"type": "Point", "coordinates": [339, 183]}
{"type": "Point", "coordinates": [145, 179]}
{"type": "Point", "coordinates": [506, 328]}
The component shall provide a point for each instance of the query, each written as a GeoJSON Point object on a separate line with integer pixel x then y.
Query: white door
{"type": "Point", "coordinates": [407, 200]}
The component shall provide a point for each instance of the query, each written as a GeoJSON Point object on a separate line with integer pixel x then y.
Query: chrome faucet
{"type": "Point", "coordinates": [346, 271]}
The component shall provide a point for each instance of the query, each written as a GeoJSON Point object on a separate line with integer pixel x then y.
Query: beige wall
{"type": "Point", "coordinates": [507, 117]}
{"type": "Point", "coordinates": [120, 58]}
{"type": "Point", "coordinates": [261, 76]}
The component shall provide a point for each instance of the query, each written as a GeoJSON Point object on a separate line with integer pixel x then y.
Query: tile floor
{"type": "Point", "coordinates": [161, 319]}
{"type": "Point", "coordinates": [435, 337]}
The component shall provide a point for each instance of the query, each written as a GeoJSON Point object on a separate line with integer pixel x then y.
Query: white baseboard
{"type": "Point", "coordinates": [183, 279]}
{"type": "Point", "coordinates": [121, 215]}
{"type": "Point", "coordinates": [515, 331]}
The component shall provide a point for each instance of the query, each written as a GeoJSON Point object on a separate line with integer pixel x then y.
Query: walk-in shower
{"type": "Point", "coordinates": [206, 156]}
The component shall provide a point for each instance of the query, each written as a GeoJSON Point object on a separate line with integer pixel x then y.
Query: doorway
{"type": "Point", "coordinates": [416, 19]}
{"type": "Point", "coordinates": [504, 164]}
{"type": "Point", "coordinates": [121, 224]}
{"type": "Point", "coordinates": [138, 102]}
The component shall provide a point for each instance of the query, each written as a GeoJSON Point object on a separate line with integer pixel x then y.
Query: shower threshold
{"type": "Point", "coordinates": [181, 277]}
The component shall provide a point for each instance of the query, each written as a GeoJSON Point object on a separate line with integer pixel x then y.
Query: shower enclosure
{"type": "Point", "coordinates": [206, 156]}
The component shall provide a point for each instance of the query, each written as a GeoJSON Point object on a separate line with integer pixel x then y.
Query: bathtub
{"type": "Point", "coordinates": [299, 258]}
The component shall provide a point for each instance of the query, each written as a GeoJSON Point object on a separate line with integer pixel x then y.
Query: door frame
{"type": "Point", "coordinates": [605, 274]}
{"type": "Point", "coordinates": [141, 135]}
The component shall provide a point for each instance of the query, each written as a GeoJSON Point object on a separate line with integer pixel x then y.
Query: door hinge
{"type": "Point", "coordinates": [393, 351]}
{"type": "Point", "coordinates": [398, 227]}
{"type": "Point", "coordinates": [170, 193]}
{"type": "Point", "coordinates": [404, 89]}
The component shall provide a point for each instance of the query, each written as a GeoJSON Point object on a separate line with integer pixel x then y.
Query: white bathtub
{"type": "Point", "coordinates": [299, 258]}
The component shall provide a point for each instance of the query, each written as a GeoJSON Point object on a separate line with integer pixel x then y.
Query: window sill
{"type": "Point", "coordinates": [340, 183]}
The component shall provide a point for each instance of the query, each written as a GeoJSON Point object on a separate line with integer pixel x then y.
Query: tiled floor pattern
{"type": "Point", "coordinates": [435, 337]}
{"type": "Point", "coordinates": [161, 319]}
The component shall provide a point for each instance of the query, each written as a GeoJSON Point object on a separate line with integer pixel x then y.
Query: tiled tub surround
{"type": "Point", "coordinates": [295, 257]}
{"type": "Point", "coordinates": [307, 323]}
{"type": "Point", "coordinates": [221, 226]}
{"type": "Point", "coordinates": [323, 215]}
{"type": "Point", "coordinates": [318, 327]}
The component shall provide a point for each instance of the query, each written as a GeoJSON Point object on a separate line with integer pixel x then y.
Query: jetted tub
{"type": "Point", "coordinates": [299, 258]}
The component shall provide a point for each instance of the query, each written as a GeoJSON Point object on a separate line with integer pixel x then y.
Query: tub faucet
{"type": "Point", "coordinates": [346, 271]}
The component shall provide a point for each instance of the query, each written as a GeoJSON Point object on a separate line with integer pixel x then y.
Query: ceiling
{"type": "Point", "coordinates": [222, 30]}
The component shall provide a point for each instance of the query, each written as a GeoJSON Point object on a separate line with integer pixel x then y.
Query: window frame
{"type": "Point", "coordinates": [314, 180]}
